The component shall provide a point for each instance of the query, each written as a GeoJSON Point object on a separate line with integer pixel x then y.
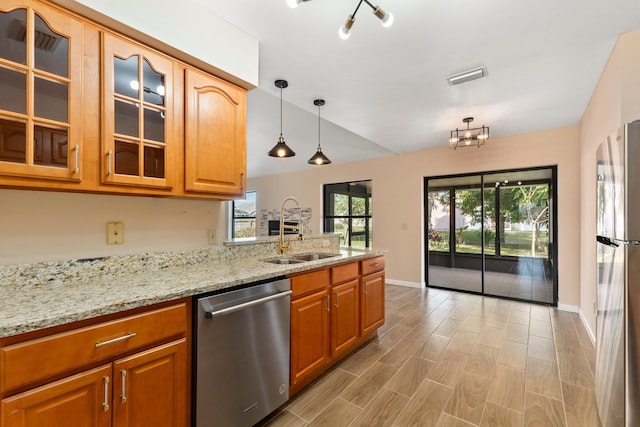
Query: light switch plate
{"type": "Point", "coordinates": [115, 233]}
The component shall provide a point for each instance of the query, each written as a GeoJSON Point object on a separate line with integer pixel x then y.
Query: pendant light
{"type": "Point", "coordinates": [281, 149]}
{"type": "Point", "coordinates": [319, 158]}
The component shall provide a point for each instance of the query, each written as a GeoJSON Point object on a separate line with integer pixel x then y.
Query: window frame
{"type": "Point", "coordinates": [234, 217]}
{"type": "Point", "coordinates": [351, 190]}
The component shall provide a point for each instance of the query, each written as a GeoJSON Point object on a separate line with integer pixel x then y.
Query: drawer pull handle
{"type": "Point", "coordinates": [77, 156]}
{"type": "Point", "coordinates": [123, 396]}
{"type": "Point", "coordinates": [376, 264]}
{"type": "Point", "coordinates": [105, 404]}
{"type": "Point", "coordinates": [109, 162]}
{"type": "Point", "coordinates": [337, 300]}
{"type": "Point", "coordinates": [122, 338]}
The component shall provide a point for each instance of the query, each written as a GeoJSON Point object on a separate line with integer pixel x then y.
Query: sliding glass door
{"type": "Point", "coordinates": [492, 233]}
{"type": "Point", "coordinates": [454, 233]}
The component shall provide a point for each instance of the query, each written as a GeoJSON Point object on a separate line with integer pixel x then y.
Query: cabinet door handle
{"type": "Point", "coordinates": [77, 158]}
{"type": "Point", "coordinates": [336, 300]}
{"type": "Point", "coordinates": [123, 395]}
{"type": "Point", "coordinates": [122, 338]}
{"type": "Point", "coordinates": [243, 181]}
{"type": "Point", "coordinates": [364, 290]}
{"type": "Point", "coordinates": [109, 162]}
{"type": "Point", "coordinates": [105, 404]}
{"type": "Point", "coordinates": [328, 303]}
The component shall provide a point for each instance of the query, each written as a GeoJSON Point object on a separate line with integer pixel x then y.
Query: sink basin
{"type": "Point", "coordinates": [297, 259]}
{"type": "Point", "coordinates": [283, 260]}
{"type": "Point", "coordinates": [313, 256]}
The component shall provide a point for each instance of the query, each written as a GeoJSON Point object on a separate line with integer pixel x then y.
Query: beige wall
{"type": "Point", "coordinates": [45, 226]}
{"type": "Point", "coordinates": [616, 100]}
{"type": "Point", "coordinates": [397, 195]}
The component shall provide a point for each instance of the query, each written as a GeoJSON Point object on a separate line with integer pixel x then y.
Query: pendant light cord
{"type": "Point", "coordinates": [358, 7]}
{"type": "Point", "coordinates": [280, 111]}
{"type": "Point", "coordinates": [319, 125]}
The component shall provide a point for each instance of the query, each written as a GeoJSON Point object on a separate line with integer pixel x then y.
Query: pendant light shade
{"type": "Point", "coordinates": [319, 158]}
{"type": "Point", "coordinates": [281, 149]}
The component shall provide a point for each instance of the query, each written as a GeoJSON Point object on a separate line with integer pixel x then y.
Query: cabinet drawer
{"type": "Point", "coordinates": [344, 272]}
{"type": "Point", "coordinates": [25, 363]}
{"type": "Point", "coordinates": [309, 282]}
{"type": "Point", "coordinates": [371, 265]}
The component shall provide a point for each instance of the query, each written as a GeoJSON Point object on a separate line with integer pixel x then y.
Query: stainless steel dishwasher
{"type": "Point", "coordinates": [241, 367]}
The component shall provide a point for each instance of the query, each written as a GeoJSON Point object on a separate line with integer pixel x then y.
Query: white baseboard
{"type": "Point", "coordinates": [403, 283]}
{"type": "Point", "coordinates": [592, 336]}
{"type": "Point", "coordinates": [567, 307]}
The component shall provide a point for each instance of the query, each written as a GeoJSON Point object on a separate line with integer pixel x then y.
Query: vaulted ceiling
{"type": "Point", "coordinates": [385, 88]}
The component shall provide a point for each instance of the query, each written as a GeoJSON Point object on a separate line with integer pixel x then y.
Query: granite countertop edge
{"type": "Point", "coordinates": [30, 308]}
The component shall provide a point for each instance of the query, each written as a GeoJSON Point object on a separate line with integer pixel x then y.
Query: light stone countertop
{"type": "Point", "coordinates": [35, 297]}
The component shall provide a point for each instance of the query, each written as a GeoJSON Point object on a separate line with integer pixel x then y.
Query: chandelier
{"type": "Point", "coordinates": [345, 31]}
{"type": "Point", "coordinates": [469, 137]}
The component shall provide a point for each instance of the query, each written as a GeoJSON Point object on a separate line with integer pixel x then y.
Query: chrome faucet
{"type": "Point", "coordinates": [282, 247]}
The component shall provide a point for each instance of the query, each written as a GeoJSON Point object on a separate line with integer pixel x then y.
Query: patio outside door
{"type": "Point", "coordinates": [493, 233]}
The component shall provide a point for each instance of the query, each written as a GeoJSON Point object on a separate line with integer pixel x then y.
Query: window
{"type": "Point", "coordinates": [347, 211]}
{"type": "Point", "coordinates": [244, 216]}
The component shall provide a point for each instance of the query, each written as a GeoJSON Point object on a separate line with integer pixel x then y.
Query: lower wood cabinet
{"type": "Point", "coordinates": [331, 316]}
{"type": "Point", "coordinates": [309, 335]}
{"type": "Point", "coordinates": [80, 400]}
{"type": "Point", "coordinates": [148, 388]}
{"type": "Point", "coordinates": [126, 388]}
{"type": "Point", "coordinates": [345, 317]}
{"type": "Point", "coordinates": [372, 312]}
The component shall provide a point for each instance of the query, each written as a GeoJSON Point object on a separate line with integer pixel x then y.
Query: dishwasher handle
{"type": "Point", "coordinates": [210, 314]}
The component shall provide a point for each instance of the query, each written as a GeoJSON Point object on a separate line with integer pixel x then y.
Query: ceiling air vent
{"type": "Point", "coordinates": [43, 40]}
{"type": "Point", "coordinates": [467, 76]}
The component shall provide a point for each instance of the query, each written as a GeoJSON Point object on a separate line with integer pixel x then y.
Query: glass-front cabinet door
{"type": "Point", "coordinates": [137, 115]}
{"type": "Point", "coordinates": [40, 92]}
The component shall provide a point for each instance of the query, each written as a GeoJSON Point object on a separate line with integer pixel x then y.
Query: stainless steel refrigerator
{"type": "Point", "coordinates": [618, 283]}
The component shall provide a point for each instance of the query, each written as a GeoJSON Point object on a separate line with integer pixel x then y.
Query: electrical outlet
{"type": "Point", "coordinates": [211, 236]}
{"type": "Point", "coordinates": [115, 233]}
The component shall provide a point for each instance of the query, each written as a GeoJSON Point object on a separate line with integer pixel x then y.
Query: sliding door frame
{"type": "Point", "coordinates": [553, 226]}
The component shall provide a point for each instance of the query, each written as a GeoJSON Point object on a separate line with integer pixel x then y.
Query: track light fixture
{"type": "Point", "coordinates": [345, 31]}
{"type": "Point", "coordinates": [319, 158]}
{"type": "Point", "coordinates": [281, 149]}
{"type": "Point", "coordinates": [469, 137]}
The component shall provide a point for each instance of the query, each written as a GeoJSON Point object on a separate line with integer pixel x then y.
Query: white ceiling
{"type": "Point", "coordinates": [385, 88]}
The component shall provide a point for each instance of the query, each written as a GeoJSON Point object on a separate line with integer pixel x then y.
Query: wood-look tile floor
{"type": "Point", "coordinates": [452, 359]}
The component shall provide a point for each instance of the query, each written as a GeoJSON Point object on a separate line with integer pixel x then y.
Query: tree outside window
{"type": "Point", "coordinates": [347, 211]}
{"type": "Point", "coordinates": [244, 216]}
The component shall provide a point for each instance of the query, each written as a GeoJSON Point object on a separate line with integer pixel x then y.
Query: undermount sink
{"type": "Point", "coordinates": [283, 261]}
{"type": "Point", "coordinates": [297, 259]}
{"type": "Point", "coordinates": [313, 256]}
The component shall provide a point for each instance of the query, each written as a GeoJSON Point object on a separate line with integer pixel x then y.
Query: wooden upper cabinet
{"type": "Point", "coordinates": [215, 135]}
{"type": "Point", "coordinates": [40, 92]}
{"type": "Point", "coordinates": [137, 115]}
